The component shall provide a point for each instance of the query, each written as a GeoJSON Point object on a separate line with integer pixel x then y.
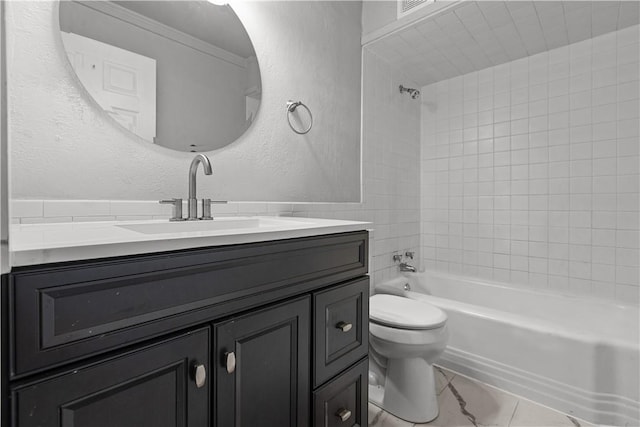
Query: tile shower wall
{"type": "Point", "coordinates": [391, 162]}
{"type": "Point", "coordinates": [530, 170]}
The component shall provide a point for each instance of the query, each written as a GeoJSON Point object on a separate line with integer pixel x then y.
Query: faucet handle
{"type": "Point", "coordinates": [206, 207]}
{"type": "Point", "coordinates": [409, 254]}
{"type": "Point", "coordinates": [177, 208]}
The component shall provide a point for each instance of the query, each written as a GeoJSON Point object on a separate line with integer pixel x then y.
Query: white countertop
{"type": "Point", "coordinates": [47, 243]}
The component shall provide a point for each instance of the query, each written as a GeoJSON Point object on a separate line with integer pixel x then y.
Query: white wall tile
{"type": "Point", "coordinates": [558, 168]}
{"type": "Point", "coordinates": [84, 208]}
{"type": "Point", "coordinates": [27, 208]}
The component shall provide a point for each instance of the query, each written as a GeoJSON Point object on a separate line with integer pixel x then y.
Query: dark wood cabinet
{"type": "Point", "coordinates": [154, 386]}
{"type": "Point", "coordinates": [343, 401]}
{"type": "Point", "coordinates": [341, 328]}
{"type": "Point", "coordinates": [262, 374]}
{"type": "Point", "coordinates": [70, 311]}
{"type": "Point", "coordinates": [236, 336]}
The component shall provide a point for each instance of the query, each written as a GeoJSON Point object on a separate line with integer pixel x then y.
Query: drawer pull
{"type": "Point", "coordinates": [199, 374]}
{"type": "Point", "coordinates": [344, 326]}
{"type": "Point", "coordinates": [230, 361]}
{"type": "Point", "coordinates": [343, 414]}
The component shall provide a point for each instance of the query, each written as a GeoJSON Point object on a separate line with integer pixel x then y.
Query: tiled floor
{"type": "Point", "coordinates": [465, 402]}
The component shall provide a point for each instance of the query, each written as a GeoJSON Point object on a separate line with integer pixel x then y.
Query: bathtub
{"type": "Point", "coordinates": [574, 354]}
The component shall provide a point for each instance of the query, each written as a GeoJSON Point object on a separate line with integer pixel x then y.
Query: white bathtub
{"type": "Point", "coordinates": [578, 355]}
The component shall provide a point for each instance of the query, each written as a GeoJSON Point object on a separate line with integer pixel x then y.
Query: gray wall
{"type": "Point", "coordinates": [377, 14]}
{"type": "Point", "coordinates": [64, 148]}
{"type": "Point", "coordinates": [4, 193]}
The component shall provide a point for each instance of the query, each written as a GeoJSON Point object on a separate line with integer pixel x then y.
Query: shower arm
{"type": "Point", "coordinates": [414, 93]}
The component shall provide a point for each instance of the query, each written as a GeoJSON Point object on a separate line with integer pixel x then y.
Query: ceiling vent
{"type": "Point", "coordinates": [405, 7]}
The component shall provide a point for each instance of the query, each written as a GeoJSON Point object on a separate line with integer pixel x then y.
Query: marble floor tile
{"type": "Point", "coordinates": [450, 414]}
{"type": "Point", "coordinates": [480, 403]}
{"type": "Point", "coordinates": [530, 414]}
{"type": "Point", "coordinates": [380, 418]}
{"type": "Point", "coordinates": [465, 402]}
{"type": "Point", "coordinates": [443, 377]}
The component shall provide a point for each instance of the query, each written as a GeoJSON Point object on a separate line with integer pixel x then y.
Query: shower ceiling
{"type": "Point", "coordinates": [478, 34]}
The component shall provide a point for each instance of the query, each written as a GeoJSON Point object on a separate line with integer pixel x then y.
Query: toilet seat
{"type": "Point", "coordinates": [404, 313]}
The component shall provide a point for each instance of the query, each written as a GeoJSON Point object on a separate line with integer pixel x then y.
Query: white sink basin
{"type": "Point", "coordinates": [218, 224]}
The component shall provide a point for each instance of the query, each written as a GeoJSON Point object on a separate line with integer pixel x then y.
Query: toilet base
{"type": "Point", "coordinates": [409, 391]}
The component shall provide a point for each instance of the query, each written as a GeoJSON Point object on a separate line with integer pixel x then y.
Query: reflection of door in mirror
{"type": "Point", "coordinates": [207, 89]}
{"type": "Point", "coordinates": [253, 91]}
{"type": "Point", "coordinates": [122, 82]}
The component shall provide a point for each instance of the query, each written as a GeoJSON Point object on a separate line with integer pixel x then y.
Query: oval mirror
{"type": "Point", "coordinates": [180, 74]}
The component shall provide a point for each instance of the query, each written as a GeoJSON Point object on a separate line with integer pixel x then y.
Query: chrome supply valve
{"type": "Point", "coordinates": [206, 208]}
{"type": "Point", "coordinates": [404, 266]}
{"type": "Point", "coordinates": [177, 209]}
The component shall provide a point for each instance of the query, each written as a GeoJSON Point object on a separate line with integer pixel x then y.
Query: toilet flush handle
{"type": "Point", "coordinates": [344, 326]}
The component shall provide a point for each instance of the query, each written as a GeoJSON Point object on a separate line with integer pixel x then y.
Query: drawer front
{"type": "Point", "coordinates": [343, 401]}
{"type": "Point", "coordinates": [341, 328]}
{"type": "Point", "coordinates": [62, 313]}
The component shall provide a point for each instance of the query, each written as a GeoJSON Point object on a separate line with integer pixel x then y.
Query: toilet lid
{"type": "Point", "coordinates": [404, 313]}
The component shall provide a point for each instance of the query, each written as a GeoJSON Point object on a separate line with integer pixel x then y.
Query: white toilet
{"type": "Point", "coordinates": [405, 336]}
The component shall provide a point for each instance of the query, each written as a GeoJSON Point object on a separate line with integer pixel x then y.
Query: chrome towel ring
{"type": "Point", "coordinates": [291, 107]}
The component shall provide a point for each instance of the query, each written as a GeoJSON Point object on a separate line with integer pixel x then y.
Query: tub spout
{"type": "Point", "coordinates": [407, 267]}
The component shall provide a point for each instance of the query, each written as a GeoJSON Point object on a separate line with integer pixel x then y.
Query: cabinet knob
{"type": "Point", "coordinates": [344, 326]}
{"type": "Point", "coordinates": [199, 374]}
{"type": "Point", "coordinates": [230, 361]}
{"type": "Point", "coordinates": [343, 414]}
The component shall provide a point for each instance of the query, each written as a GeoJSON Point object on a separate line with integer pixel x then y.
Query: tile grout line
{"type": "Point", "coordinates": [514, 413]}
{"type": "Point", "coordinates": [439, 369]}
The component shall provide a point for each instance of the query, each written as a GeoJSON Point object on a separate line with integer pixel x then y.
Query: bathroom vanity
{"type": "Point", "coordinates": [244, 328]}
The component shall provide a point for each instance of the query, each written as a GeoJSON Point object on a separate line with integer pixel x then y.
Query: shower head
{"type": "Point", "coordinates": [415, 93]}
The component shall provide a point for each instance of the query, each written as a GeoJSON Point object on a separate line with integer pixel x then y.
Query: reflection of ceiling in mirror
{"type": "Point", "coordinates": [216, 25]}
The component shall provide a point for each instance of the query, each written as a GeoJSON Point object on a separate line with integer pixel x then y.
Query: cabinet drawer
{"type": "Point", "coordinates": [343, 401]}
{"type": "Point", "coordinates": [62, 313]}
{"type": "Point", "coordinates": [341, 328]}
{"type": "Point", "coordinates": [149, 387]}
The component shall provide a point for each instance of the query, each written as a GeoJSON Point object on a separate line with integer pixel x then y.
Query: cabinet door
{"type": "Point", "coordinates": [262, 368]}
{"type": "Point", "coordinates": [151, 387]}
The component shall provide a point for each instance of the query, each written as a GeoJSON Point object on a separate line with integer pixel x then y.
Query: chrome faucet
{"type": "Point", "coordinates": [192, 204]}
{"type": "Point", "coordinates": [407, 267]}
{"type": "Point", "coordinates": [403, 266]}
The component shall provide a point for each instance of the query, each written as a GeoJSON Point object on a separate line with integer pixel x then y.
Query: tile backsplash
{"type": "Point", "coordinates": [48, 211]}
{"type": "Point", "coordinates": [530, 170]}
